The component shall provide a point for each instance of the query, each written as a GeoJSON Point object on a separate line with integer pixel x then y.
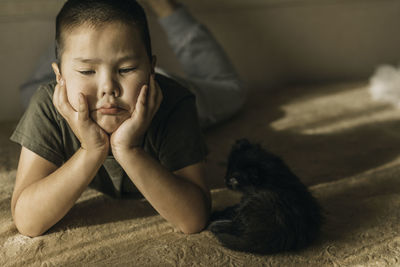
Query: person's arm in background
{"type": "Point", "coordinates": [209, 73]}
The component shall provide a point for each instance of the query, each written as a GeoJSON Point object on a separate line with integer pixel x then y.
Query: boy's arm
{"type": "Point", "coordinates": [43, 194]}
{"type": "Point", "coordinates": [182, 197]}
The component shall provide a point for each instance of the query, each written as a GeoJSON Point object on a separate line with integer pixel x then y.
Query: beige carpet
{"type": "Point", "coordinates": [341, 144]}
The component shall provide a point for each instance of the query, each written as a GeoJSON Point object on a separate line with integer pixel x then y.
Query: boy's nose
{"type": "Point", "coordinates": [110, 88]}
{"type": "Point", "coordinates": [111, 92]}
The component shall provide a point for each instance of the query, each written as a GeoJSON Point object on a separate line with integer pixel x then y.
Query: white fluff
{"type": "Point", "coordinates": [385, 85]}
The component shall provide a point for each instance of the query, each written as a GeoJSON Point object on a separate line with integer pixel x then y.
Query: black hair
{"type": "Point", "coordinates": [97, 12]}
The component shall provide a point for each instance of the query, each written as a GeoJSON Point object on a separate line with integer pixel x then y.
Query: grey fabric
{"type": "Point", "coordinates": [209, 73]}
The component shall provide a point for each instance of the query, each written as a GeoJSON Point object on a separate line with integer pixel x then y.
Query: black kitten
{"type": "Point", "coordinates": [276, 213]}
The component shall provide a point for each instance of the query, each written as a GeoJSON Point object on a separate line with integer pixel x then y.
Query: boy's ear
{"type": "Point", "coordinates": [153, 63]}
{"type": "Point", "coordinates": [57, 71]}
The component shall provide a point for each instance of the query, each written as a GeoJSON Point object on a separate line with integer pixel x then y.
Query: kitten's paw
{"type": "Point", "coordinates": [220, 226]}
{"type": "Point", "coordinates": [226, 214]}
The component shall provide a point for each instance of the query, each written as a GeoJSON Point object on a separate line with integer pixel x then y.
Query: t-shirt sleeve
{"type": "Point", "coordinates": [183, 142]}
{"type": "Point", "coordinates": [38, 130]}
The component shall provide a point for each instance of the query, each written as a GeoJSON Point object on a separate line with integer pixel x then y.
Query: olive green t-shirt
{"type": "Point", "coordinates": [174, 137]}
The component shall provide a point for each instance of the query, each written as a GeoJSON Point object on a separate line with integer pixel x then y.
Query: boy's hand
{"type": "Point", "coordinates": [131, 132]}
{"type": "Point", "coordinates": [91, 136]}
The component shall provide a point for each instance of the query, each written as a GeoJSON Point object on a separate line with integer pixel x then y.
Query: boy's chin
{"type": "Point", "coordinates": [109, 127]}
{"type": "Point", "coordinates": [110, 123]}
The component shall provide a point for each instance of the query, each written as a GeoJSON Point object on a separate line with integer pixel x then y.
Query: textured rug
{"type": "Point", "coordinates": [342, 144]}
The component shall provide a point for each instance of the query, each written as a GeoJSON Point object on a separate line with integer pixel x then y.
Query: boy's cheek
{"type": "Point", "coordinates": [73, 92]}
{"type": "Point", "coordinates": [73, 100]}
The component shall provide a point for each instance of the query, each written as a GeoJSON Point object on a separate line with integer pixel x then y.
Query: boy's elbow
{"type": "Point", "coordinates": [30, 234]}
{"type": "Point", "coordinates": [194, 226]}
{"type": "Point", "coordinates": [29, 231]}
{"type": "Point", "coordinates": [27, 227]}
{"type": "Point", "coordinates": [190, 229]}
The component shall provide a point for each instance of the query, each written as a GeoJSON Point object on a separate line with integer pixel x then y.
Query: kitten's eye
{"type": "Point", "coordinates": [87, 72]}
{"type": "Point", "coordinates": [126, 70]}
{"type": "Point", "coordinates": [233, 181]}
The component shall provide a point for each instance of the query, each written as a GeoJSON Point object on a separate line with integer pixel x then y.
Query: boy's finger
{"type": "Point", "coordinates": [142, 100]}
{"type": "Point", "coordinates": [55, 95]}
{"type": "Point", "coordinates": [57, 99]}
{"type": "Point", "coordinates": [83, 110]}
{"type": "Point", "coordinates": [154, 93]}
{"type": "Point", "coordinates": [152, 86]}
{"type": "Point", "coordinates": [156, 101]}
{"type": "Point", "coordinates": [159, 97]}
{"type": "Point", "coordinates": [64, 102]}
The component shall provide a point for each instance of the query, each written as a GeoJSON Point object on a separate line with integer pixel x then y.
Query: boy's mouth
{"type": "Point", "coordinates": [110, 109]}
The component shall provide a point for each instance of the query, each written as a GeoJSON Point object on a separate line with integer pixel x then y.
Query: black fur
{"type": "Point", "coordinates": [276, 213]}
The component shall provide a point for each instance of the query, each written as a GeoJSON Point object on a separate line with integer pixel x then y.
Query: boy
{"type": "Point", "coordinates": [209, 74]}
{"type": "Point", "coordinates": [108, 118]}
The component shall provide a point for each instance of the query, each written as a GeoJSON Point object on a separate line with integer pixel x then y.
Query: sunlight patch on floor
{"type": "Point", "coordinates": [334, 112]}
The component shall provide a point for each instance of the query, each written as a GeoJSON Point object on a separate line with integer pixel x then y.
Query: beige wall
{"type": "Point", "coordinates": [269, 41]}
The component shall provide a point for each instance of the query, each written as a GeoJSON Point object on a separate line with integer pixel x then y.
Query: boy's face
{"type": "Point", "coordinates": [109, 65]}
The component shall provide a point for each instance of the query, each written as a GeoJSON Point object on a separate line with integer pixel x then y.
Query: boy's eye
{"type": "Point", "coordinates": [126, 70]}
{"type": "Point", "coordinates": [87, 72]}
